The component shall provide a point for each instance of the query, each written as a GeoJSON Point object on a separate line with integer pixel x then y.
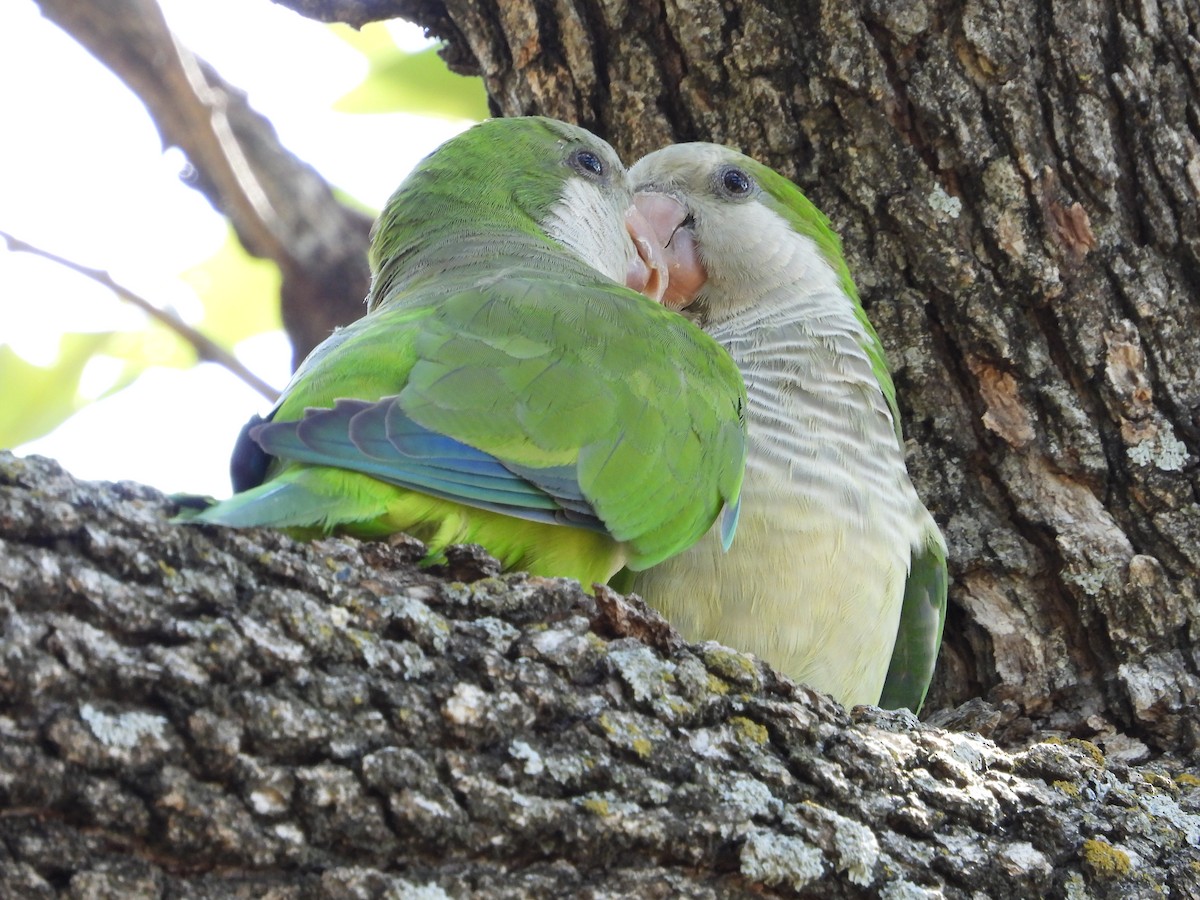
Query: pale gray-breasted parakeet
{"type": "Point", "coordinates": [838, 574]}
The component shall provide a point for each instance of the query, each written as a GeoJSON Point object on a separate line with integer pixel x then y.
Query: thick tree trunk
{"type": "Point", "coordinates": [191, 711]}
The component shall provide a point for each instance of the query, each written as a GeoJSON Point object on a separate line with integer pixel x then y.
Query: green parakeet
{"type": "Point", "coordinates": [503, 389]}
{"type": "Point", "coordinates": [838, 576]}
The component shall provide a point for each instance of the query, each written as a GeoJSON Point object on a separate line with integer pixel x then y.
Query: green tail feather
{"type": "Point", "coordinates": [280, 503]}
{"type": "Point", "coordinates": [922, 618]}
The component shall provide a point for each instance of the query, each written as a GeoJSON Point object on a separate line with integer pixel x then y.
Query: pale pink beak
{"type": "Point", "coordinates": [647, 273]}
{"type": "Point", "coordinates": [685, 273]}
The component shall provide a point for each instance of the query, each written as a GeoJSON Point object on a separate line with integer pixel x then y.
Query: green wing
{"type": "Point", "coordinates": [922, 618]}
{"type": "Point", "coordinates": [595, 384]}
{"type": "Point", "coordinates": [585, 404]}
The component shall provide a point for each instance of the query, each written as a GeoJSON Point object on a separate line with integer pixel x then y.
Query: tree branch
{"type": "Point", "coordinates": [205, 711]}
{"type": "Point", "coordinates": [280, 207]}
{"type": "Point", "coordinates": [206, 349]}
{"type": "Point", "coordinates": [361, 12]}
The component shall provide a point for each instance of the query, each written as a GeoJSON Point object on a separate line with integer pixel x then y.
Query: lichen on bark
{"type": "Point", "coordinates": [207, 712]}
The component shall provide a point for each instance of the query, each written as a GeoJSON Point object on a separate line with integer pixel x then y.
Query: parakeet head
{"type": "Point", "coordinates": [529, 186]}
{"type": "Point", "coordinates": [742, 244]}
{"type": "Point", "coordinates": [733, 229]}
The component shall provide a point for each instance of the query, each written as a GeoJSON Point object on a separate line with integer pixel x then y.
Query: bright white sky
{"type": "Point", "coordinates": [82, 174]}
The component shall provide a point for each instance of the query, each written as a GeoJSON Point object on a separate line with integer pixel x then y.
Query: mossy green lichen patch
{"type": "Point", "coordinates": [1066, 787]}
{"type": "Point", "coordinates": [632, 732]}
{"type": "Point", "coordinates": [750, 730]}
{"type": "Point", "coordinates": [734, 667]}
{"type": "Point", "coordinates": [1102, 860]}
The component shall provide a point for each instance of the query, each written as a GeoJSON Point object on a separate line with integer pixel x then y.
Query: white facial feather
{"type": "Point", "coordinates": [589, 219]}
{"type": "Point", "coordinates": [774, 272]}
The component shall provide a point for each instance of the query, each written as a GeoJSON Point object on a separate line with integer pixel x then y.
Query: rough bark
{"type": "Point", "coordinates": [1016, 185]}
{"type": "Point", "coordinates": [281, 208]}
{"type": "Point", "coordinates": [202, 712]}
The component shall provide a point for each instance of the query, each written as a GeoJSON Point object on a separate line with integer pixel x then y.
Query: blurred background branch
{"type": "Point", "coordinates": [280, 207]}
{"type": "Point", "coordinates": [206, 349]}
{"type": "Point", "coordinates": [289, 152]}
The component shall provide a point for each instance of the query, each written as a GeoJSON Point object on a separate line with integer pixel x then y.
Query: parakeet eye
{"type": "Point", "coordinates": [587, 163]}
{"type": "Point", "coordinates": [735, 182]}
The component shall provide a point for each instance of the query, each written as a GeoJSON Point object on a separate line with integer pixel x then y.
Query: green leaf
{"type": "Point", "coordinates": [240, 294]}
{"type": "Point", "coordinates": [48, 395]}
{"type": "Point", "coordinates": [419, 82]}
{"type": "Point", "coordinates": [154, 345]}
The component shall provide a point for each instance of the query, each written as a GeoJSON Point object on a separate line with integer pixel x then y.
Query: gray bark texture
{"type": "Point", "coordinates": [201, 712]}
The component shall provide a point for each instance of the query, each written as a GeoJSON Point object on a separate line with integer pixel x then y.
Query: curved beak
{"type": "Point", "coordinates": [670, 221]}
{"type": "Point", "coordinates": [647, 272]}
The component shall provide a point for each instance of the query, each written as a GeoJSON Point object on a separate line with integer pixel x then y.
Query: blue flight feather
{"type": "Point", "coordinates": [379, 440]}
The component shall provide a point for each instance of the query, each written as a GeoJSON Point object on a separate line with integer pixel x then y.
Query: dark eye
{"type": "Point", "coordinates": [588, 163]}
{"type": "Point", "coordinates": [736, 182]}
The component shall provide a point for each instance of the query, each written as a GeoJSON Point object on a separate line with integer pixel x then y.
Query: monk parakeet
{"type": "Point", "coordinates": [503, 388]}
{"type": "Point", "coordinates": [838, 576]}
